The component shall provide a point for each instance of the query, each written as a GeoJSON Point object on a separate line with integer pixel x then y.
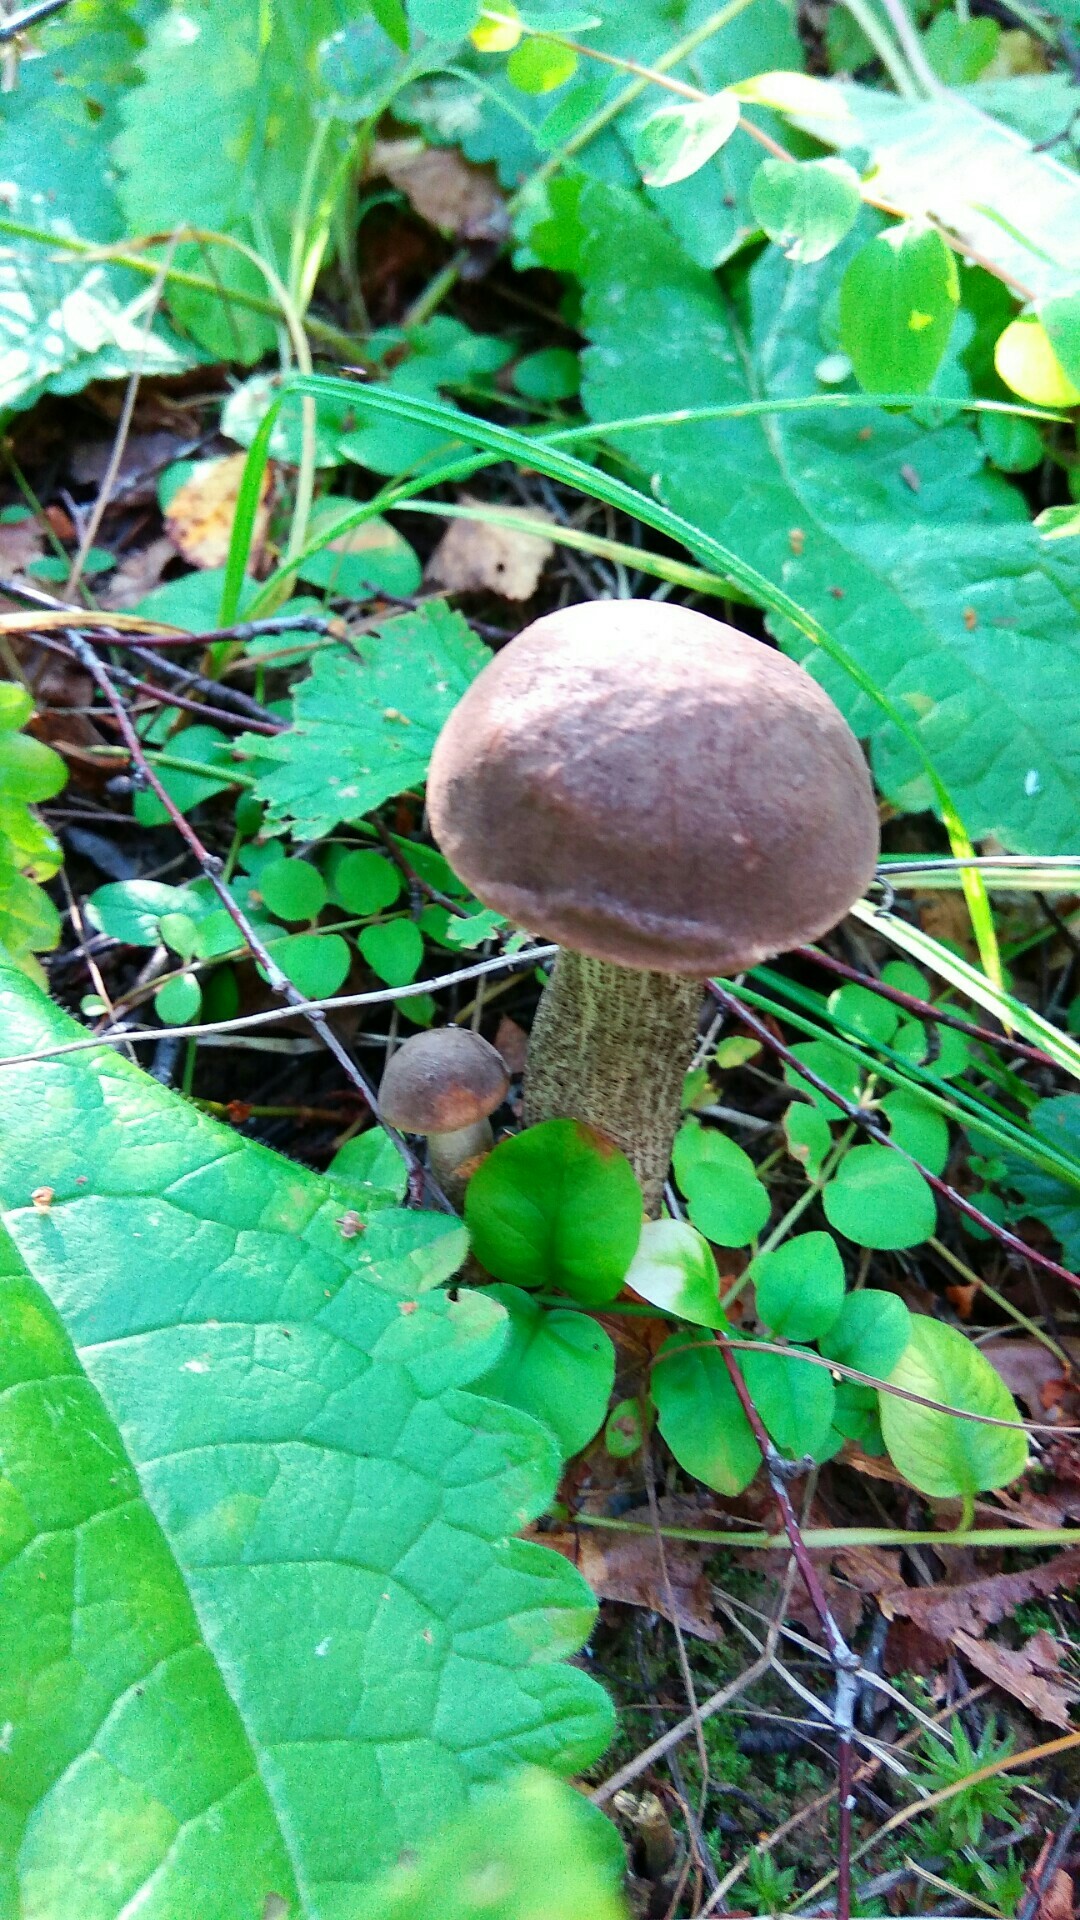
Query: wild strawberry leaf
{"type": "Point", "coordinates": [265, 1625]}
{"type": "Point", "coordinates": [365, 721]}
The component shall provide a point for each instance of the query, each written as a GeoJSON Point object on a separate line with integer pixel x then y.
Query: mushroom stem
{"type": "Point", "coordinates": [611, 1045]}
{"type": "Point", "coordinates": [449, 1152]}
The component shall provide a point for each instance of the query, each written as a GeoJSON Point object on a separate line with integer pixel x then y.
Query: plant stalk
{"type": "Point", "coordinates": [611, 1046]}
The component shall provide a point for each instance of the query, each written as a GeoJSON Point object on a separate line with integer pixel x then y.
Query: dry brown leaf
{"type": "Point", "coordinates": [1031, 1674]}
{"type": "Point", "coordinates": [475, 557]}
{"type": "Point", "coordinates": [1058, 1902]}
{"type": "Point", "coordinates": [137, 575]}
{"type": "Point", "coordinates": [512, 1042]}
{"type": "Point", "coordinates": [626, 1567]}
{"type": "Point", "coordinates": [1035, 1375]}
{"type": "Point", "coordinates": [944, 1611]}
{"type": "Point", "coordinates": [462, 201]}
{"type": "Point", "coordinates": [20, 542]}
{"type": "Point", "coordinates": [143, 457]}
{"type": "Point", "coordinates": [200, 517]}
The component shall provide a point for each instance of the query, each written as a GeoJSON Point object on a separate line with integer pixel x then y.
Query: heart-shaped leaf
{"type": "Point", "coordinates": [559, 1366]}
{"type": "Point", "coordinates": [556, 1206]}
{"type": "Point", "coordinates": [800, 1286]}
{"type": "Point", "coordinates": [700, 1415]}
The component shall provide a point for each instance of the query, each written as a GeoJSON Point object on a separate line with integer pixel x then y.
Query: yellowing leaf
{"type": "Point", "coordinates": [200, 517]}
{"type": "Point", "coordinates": [1028, 364]}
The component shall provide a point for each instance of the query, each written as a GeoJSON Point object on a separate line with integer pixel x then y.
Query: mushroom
{"type": "Point", "coordinates": [444, 1084]}
{"type": "Point", "coordinates": [668, 799]}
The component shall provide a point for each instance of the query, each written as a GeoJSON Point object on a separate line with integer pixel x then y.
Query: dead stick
{"type": "Point", "coordinates": [845, 1662]}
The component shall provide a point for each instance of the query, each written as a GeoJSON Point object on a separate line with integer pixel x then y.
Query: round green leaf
{"type": "Point", "coordinates": [917, 1127]}
{"type": "Point", "coordinates": [700, 1415]}
{"type": "Point", "coordinates": [800, 1286]}
{"type": "Point", "coordinates": [871, 1016]}
{"type": "Point", "coordinates": [559, 1366]}
{"type": "Point", "coordinates": [805, 206]}
{"type": "Point", "coordinates": [808, 1136]}
{"type": "Point", "coordinates": [674, 1269]}
{"type": "Point", "coordinates": [624, 1429]}
{"type": "Point", "coordinates": [674, 142]}
{"type": "Point", "coordinates": [179, 932]}
{"type": "Point", "coordinates": [444, 19]}
{"type": "Point", "coordinates": [938, 1453]}
{"type": "Point", "coordinates": [16, 705]}
{"type": "Point", "coordinates": [898, 302]}
{"type": "Point", "coordinates": [179, 1001]}
{"type": "Point", "coordinates": [879, 1200]}
{"type": "Point", "coordinates": [363, 882]}
{"type": "Point", "coordinates": [556, 1206]}
{"type": "Point", "coordinates": [1014, 445]}
{"type": "Point", "coordinates": [725, 1198]}
{"type": "Point", "coordinates": [953, 1052]}
{"type": "Point", "coordinates": [906, 979]}
{"type": "Point", "coordinates": [870, 1333]}
{"type": "Point", "coordinates": [837, 1069]}
{"type": "Point", "coordinates": [316, 963]}
{"type": "Point", "coordinates": [131, 910]}
{"type": "Point", "coordinates": [796, 1400]}
{"type": "Point", "coordinates": [29, 770]}
{"type": "Point", "coordinates": [293, 889]}
{"type": "Point", "coordinates": [552, 374]}
{"type": "Point", "coordinates": [393, 949]}
{"type": "Point", "coordinates": [371, 556]}
{"type": "Point", "coordinates": [539, 66]}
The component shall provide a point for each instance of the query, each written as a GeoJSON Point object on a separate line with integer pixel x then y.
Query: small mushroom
{"type": "Point", "coordinates": [668, 799]}
{"type": "Point", "coordinates": [444, 1084]}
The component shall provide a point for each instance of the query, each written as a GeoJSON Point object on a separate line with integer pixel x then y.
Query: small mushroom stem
{"type": "Point", "coordinates": [449, 1152]}
{"type": "Point", "coordinates": [611, 1045]}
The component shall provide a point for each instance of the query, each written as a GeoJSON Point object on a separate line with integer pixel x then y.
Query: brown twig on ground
{"type": "Point", "coordinates": [1042, 1877]}
{"type": "Point", "coordinates": [845, 1662]}
{"type": "Point", "coordinates": [869, 1125]}
{"type": "Point", "coordinates": [212, 867]}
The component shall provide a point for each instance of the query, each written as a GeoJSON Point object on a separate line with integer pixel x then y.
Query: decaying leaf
{"type": "Point", "coordinates": [461, 200]}
{"type": "Point", "coordinates": [20, 542]}
{"type": "Point", "coordinates": [137, 575]}
{"type": "Point", "coordinates": [626, 1567]}
{"type": "Point", "coordinates": [1035, 1375]}
{"type": "Point", "coordinates": [1031, 1673]}
{"type": "Point", "coordinates": [946, 1611]}
{"type": "Point", "coordinates": [143, 457]}
{"type": "Point", "coordinates": [474, 557]}
{"type": "Point", "coordinates": [200, 517]}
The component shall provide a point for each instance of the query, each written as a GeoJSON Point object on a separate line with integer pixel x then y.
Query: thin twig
{"type": "Point", "coordinates": [869, 1125]}
{"type": "Point", "coordinates": [845, 1662]}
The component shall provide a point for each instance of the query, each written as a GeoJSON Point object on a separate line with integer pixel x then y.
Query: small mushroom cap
{"type": "Point", "coordinates": [654, 788]}
{"type": "Point", "coordinates": [441, 1081]}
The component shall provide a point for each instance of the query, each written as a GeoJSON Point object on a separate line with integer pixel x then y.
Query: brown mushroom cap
{"type": "Point", "coordinates": [654, 788]}
{"type": "Point", "coordinates": [442, 1081]}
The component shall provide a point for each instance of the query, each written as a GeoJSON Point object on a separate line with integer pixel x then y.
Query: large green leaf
{"type": "Point", "coordinates": [366, 720]}
{"type": "Point", "coordinates": [922, 565]}
{"type": "Point", "coordinates": [249, 72]}
{"type": "Point", "coordinates": [534, 1851]}
{"type": "Point", "coordinates": [64, 322]}
{"type": "Point", "coordinates": [264, 1623]}
{"type": "Point", "coordinates": [1050, 1200]}
{"type": "Point", "coordinates": [1015, 204]}
{"type": "Point", "coordinates": [940, 1454]}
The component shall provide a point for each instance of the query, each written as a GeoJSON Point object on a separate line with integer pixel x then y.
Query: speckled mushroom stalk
{"type": "Point", "coordinates": [668, 799]}
{"type": "Point", "coordinates": [612, 1045]}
